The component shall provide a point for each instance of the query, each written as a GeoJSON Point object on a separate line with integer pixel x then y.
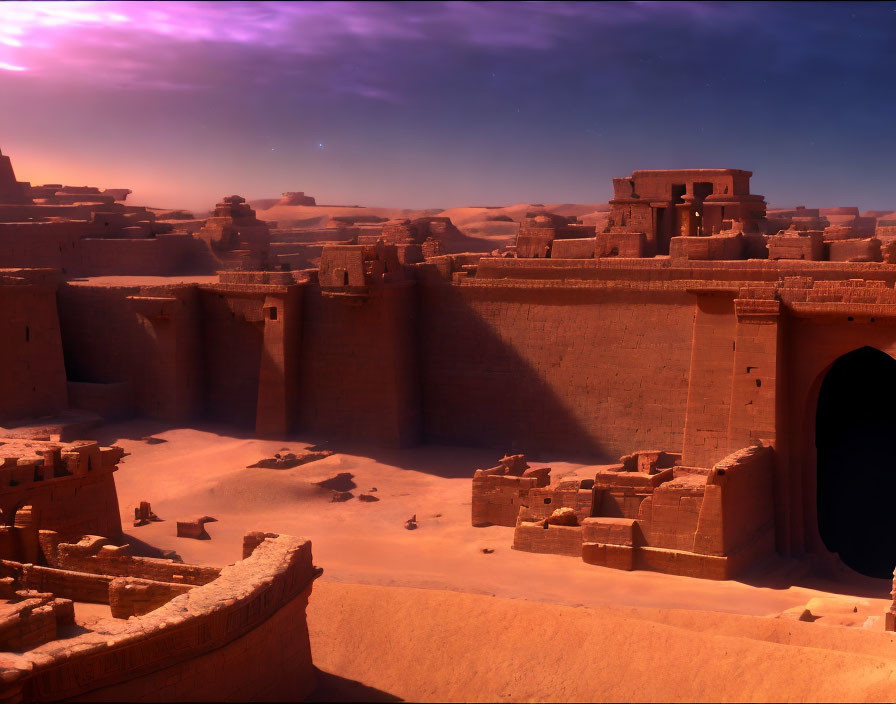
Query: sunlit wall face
{"type": "Point", "coordinates": [446, 104]}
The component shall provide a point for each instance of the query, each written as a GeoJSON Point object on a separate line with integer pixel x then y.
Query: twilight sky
{"type": "Point", "coordinates": [448, 104]}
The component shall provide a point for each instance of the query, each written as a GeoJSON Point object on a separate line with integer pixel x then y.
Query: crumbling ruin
{"type": "Point", "coordinates": [648, 512]}
{"type": "Point", "coordinates": [695, 322]}
{"type": "Point", "coordinates": [60, 518]}
{"type": "Point", "coordinates": [174, 627]}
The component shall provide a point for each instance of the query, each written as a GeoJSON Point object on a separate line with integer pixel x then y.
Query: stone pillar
{"type": "Point", "coordinates": [754, 382]}
{"type": "Point", "coordinates": [709, 387]}
{"type": "Point", "coordinates": [277, 374]}
{"type": "Point", "coordinates": [756, 397]}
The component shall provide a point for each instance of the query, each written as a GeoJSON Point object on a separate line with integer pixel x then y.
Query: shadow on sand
{"type": "Point", "coordinates": [332, 688]}
{"type": "Point", "coordinates": [821, 573]}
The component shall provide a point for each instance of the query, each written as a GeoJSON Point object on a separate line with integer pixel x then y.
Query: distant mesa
{"type": "Point", "coordinates": [289, 198]}
{"type": "Point", "coordinates": [296, 198]}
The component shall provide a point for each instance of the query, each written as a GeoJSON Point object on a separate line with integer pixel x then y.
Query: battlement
{"type": "Point", "coordinates": [27, 463]}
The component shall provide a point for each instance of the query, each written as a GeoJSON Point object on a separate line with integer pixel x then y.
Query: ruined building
{"type": "Point", "coordinates": [743, 361]}
{"type": "Point", "coordinates": [686, 203]}
{"type": "Point", "coordinates": [177, 632]}
{"type": "Point", "coordinates": [237, 238]}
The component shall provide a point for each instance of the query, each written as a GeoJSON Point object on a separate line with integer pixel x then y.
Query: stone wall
{"type": "Point", "coordinates": [242, 636]}
{"type": "Point", "coordinates": [33, 618]}
{"type": "Point", "coordinates": [587, 372]}
{"type": "Point", "coordinates": [357, 375]}
{"type": "Point", "coordinates": [97, 555]}
{"type": "Point", "coordinates": [77, 586]}
{"type": "Point", "coordinates": [148, 337]}
{"type": "Point", "coordinates": [132, 596]}
{"type": "Point", "coordinates": [232, 337]}
{"type": "Point", "coordinates": [69, 487]}
{"type": "Point", "coordinates": [33, 379]}
{"type": "Point", "coordinates": [682, 520]}
{"type": "Point", "coordinates": [162, 255]}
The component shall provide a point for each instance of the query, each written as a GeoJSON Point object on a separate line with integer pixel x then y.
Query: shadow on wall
{"type": "Point", "coordinates": [478, 390]}
{"type": "Point", "coordinates": [576, 373]}
{"type": "Point", "coordinates": [231, 358]}
{"type": "Point", "coordinates": [573, 373]}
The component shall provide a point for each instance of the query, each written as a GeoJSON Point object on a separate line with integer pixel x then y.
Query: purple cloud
{"type": "Point", "coordinates": [125, 44]}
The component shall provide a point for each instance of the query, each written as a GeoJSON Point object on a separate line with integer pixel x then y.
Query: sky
{"type": "Point", "coordinates": [445, 104]}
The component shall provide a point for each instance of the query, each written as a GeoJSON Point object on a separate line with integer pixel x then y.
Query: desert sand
{"type": "Point", "coordinates": [461, 624]}
{"type": "Point", "coordinates": [437, 646]}
{"type": "Point", "coordinates": [490, 226]}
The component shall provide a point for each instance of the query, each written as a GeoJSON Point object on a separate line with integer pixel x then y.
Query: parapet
{"type": "Point", "coordinates": [349, 271]}
{"type": "Point", "coordinates": [31, 464]}
{"type": "Point", "coordinates": [179, 638]}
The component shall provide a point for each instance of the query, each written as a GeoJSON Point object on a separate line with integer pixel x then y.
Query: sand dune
{"type": "Point", "coordinates": [464, 647]}
{"type": "Point", "coordinates": [301, 215]}
{"type": "Point", "coordinates": [488, 227]}
{"type": "Point", "coordinates": [427, 615]}
{"type": "Point", "coordinates": [436, 646]}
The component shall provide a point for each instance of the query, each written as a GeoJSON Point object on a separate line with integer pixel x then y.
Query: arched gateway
{"type": "Point", "coordinates": [855, 436]}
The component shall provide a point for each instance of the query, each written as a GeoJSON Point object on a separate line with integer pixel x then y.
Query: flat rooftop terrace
{"type": "Point", "coordinates": [663, 268]}
{"type": "Point", "coordinates": [125, 281]}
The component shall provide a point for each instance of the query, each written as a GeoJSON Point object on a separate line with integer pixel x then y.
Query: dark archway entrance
{"type": "Point", "coordinates": [855, 435]}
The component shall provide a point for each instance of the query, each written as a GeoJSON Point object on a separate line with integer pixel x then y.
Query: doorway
{"type": "Point", "coordinates": [855, 438]}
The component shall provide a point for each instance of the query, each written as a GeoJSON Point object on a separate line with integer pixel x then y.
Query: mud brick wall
{"type": "Point", "coordinates": [738, 509]}
{"type": "Point", "coordinates": [792, 246]}
{"type": "Point", "coordinates": [544, 501]}
{"type": "Point", "coordinates": [107, 341]}
{"type": "Point", "coordinates": [77, 586]}
{"type": "Point", "coordinates": [621, 502]}
{"type": "Point", "coordinates": [497, 498]}
{"type": "Point", "coordinates": [550, 539]}
{"type": "Point", "coordinates": [272, 662]}
{"type": "Point", "coordinates": [582, 372]}
{"type": "Point", "coordinates": [34, 621]}
{"type": "Point", "coordinates": [854, 250]}
{"type": "Point", "coordinates": [358, 371]}
{"type": "Point", "coordinates": [711, 370]}
{"type": "Point", "coordinates": [130, 596]}
{"type": "Point", "coordinates": [573, 249]}
{"type": "Point", "coordinates": [142, 567]}
{"type": "Point", "coordinates": [715, 247]}
{"type": "Point", "coordinates": [33, 379]}
{"type": "Point", "coordinates": [97, 328]}
{"type": "Point", "coordinates": [243, 636]}
{"type": "Point", "coordinates": [43, 244]}
{"type": "Point", "coordinates": [620, 244]}
{"type": "Point", "coordinates": [232, 341]}
{"type": "Point", "coordinates": [110, 400]}
{"type": "Point", "coordinates": [612, 531]}
{"type": "Point", "coordinates": [85, 506]}
{"type": "Point", "coordinates": [155, 256]}
{"type": "Point", "coordinates": [668, 518]}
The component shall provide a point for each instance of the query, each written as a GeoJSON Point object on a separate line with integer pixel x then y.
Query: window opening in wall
{"type": "Point", "coordinates": [702, 190]}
